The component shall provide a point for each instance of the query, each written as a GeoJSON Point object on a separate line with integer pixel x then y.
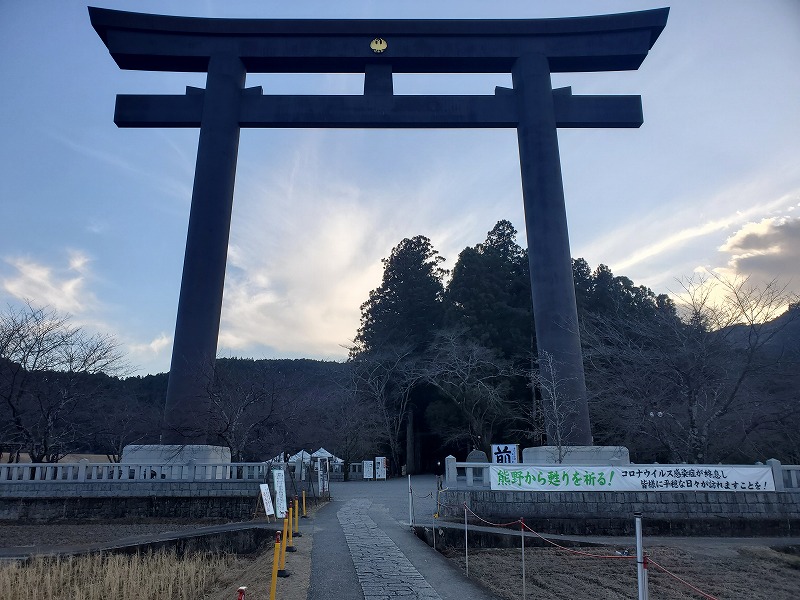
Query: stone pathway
{"type": "Point", "coordinates": [383, 570]}
{"type": "Point", "coordinates": [365, 550]}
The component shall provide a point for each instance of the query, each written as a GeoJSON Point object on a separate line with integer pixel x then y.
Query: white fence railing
{"type": "Point", "coordinates": [791, 477]}
{"type": "Point", "coordinates": [92, 472]}
{"type": "Point", "coordinates": [475, 475]}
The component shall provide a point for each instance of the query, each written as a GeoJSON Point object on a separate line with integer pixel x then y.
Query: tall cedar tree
{"type": "Point", "coordinates": [490, 296]}
{"type": "Point", "coordinates": [406, 309]}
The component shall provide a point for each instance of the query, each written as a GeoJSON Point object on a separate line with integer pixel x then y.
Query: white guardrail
{"type": "Point", "coordinates": [475, 475]}
{"type": "Point", "coordinates": [125, 473]}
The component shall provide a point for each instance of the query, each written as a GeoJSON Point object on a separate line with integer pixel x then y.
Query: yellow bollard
{"type": "Point", "coordinates": [282, 572]}
{"type": "Point", "coordinates": [297, 518]}
{"type": "Point", "coordinates": [276, 558]}
{"type": "Point", "coordinates": [305, 516]}
{"type": "Point", "coordinates": [290, 543]}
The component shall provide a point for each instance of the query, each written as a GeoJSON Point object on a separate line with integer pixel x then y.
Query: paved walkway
{"type": "Point", "coordinates": [364, 548]}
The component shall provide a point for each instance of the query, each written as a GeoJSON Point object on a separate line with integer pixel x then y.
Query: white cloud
{"type": "Point", "coordinates": [767, 249]}
{"type": "Point", "coordinates": [670, 233]}
{"type": "Point", "coordinates": [146, 357]}
{"type": "Point", "coordinates": [96, 227]}
{"type": "Point", "coordinates": [298, 289]}
{"type": "Point", "coordinates": [153, 347]}
{"type": "Point", "coordinates": [78, 261]}
{"type": "Point", "coordinates": [63, 288]}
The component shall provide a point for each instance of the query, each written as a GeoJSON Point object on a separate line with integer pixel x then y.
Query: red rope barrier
{"type": "Point", "coordinates": [683, 581]}
{"type": "Point", "coordinates": [570, 550]}
{"type": "Point", "coordinates": [489, 522]}
{"type": "Point", "coordinates": [522, 523]}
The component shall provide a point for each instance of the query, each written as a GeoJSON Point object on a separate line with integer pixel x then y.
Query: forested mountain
{"type": "Point", "coordinates": [444, 362]}
{"type": "Point", "coordinates": [258, 408]}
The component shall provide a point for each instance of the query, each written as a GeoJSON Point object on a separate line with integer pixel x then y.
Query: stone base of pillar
{"type": "Point", "coordinates": [175, 454]}
{"type": "Point", "coordinates": [576, 455]}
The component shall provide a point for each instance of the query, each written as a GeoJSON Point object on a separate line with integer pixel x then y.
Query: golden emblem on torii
{"type": "Point", "coordinates": [378, 45]}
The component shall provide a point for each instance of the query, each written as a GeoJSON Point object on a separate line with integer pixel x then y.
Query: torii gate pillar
{"type": "Point", "coordinates": [194, 348]}
{"type": "Point", "coordinates": [552, 287]}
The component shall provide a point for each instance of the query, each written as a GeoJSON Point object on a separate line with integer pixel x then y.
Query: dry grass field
{"type": "Point", "coordinates": [151, 576]}
{"type": "Point", "coordinates": [98, 577]}
{"type": "Point", "coordinates": [143, 576]}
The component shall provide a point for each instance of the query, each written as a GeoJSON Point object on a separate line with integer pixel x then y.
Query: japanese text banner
{"type": "Point", "coordinates": [632, 478]}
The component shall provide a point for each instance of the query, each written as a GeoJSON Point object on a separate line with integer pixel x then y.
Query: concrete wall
{"type": "Point", "coordinates": [611, 513]}
{"type": "Point", "coordinates": [41, 502]}
{"type": "Point", "coordinates": [241, 541]}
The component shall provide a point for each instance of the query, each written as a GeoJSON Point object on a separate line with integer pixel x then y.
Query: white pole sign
{"type": "Point", "coordinates": [380, 467]}
{"type": "Point", "coordinates": [279, 481]}
{"type": "Point", "coordinates": [322, 475]}
{"type": "Point", "coordinates": [265, 496]}
{"type": "Point", "coordinates": [368, 469]}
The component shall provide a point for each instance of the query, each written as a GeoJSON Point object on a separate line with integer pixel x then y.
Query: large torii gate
{"type": "Point", "coordinates": [227, 49]}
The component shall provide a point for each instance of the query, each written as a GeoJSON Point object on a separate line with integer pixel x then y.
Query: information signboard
{"type": "Point", "coordinates": [265, 496]}
{"type": "Point", "coordinates": [279, 483]}
{"type": "Point", "coordinates": [380, 467]}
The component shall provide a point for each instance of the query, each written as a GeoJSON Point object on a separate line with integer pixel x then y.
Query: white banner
{"type": "Point", "coordinates": [632, 478]}
{"type": "Point", "coordinates": [265, 496]}
{"type": "Point", "coordinates": [368, 469]}
{"type": "Point", "coordinates": [279, 482]}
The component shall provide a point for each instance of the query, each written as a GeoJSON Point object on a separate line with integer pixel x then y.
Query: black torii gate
{"type": "Point", "coordinates": [227, 49]}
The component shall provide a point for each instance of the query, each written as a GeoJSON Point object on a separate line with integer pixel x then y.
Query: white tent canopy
{"type": "Point", "coordinates": [275, 459]}
{"type": "Point", "coordinates": [322, 453]}
{"type": "Point", "coordinates": [305, 456]}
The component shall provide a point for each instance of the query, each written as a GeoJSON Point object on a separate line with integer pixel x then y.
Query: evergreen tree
{"type": "Point", "coordinates": [489, 295]}
{"type": "Point", "coordinates": [406, 309]}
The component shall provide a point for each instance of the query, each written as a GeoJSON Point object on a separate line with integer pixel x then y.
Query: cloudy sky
{"type": "Point", "coordinates": [94, 218]}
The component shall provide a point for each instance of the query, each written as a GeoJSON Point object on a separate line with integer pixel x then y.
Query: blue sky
{"type": "Point", "coordinates": [94, 217]}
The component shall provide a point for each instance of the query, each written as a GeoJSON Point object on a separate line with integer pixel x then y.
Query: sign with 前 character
{"type": "Point", "coordinates": [631, 478]}
{"type": "Point", "coordinates": [505, 454]}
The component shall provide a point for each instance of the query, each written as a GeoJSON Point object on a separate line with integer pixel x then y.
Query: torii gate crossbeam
{"type": "Point", "coordinates": [227, 49]}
